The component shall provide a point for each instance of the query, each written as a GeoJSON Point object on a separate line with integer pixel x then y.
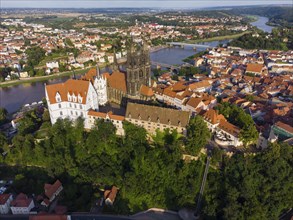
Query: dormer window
{"type": "Point", "coordinates": [69, 97]}
{"type": "Point", "coordinates": [79, 97]}
{"type": "Point", "coordinates": [58, 97]}
{"type": "Point", "coordinates": [74, 98]}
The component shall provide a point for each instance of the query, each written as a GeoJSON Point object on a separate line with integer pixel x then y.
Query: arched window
{"type": "Point", "coordinates": [140, 73]}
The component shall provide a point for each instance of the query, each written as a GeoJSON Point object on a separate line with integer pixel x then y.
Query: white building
{"type": "Point", "coordinates": [100, 85]}
{"type": "Point", "coordinates": [71, 99]}
{"type": "Point", "coordinates": [52, 65]}
{"type": "Point", "coordinates": [22, 204]}
{"type": "Point", "coordinates": [117, 120]}
{"type": "Point", "coordinates": [5, 200]}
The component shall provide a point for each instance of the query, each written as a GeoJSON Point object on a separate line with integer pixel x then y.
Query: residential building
{"type": "Point", "coordinates": [5, 200]}
{"type": "Point", "coordinates": [53, 190]}
{"type": "Point", "coordinates": [22, 204]}
{"type": "Point", "coordinates": [110, 195]}
{"type": "Point", "coordinates": [117, 120]}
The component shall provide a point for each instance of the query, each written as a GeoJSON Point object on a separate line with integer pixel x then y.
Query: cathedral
{"type": "Point", "coordinates": [134, 83]}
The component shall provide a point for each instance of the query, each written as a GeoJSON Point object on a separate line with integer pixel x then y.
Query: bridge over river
{"type": "Point", "coordinates": [182, 44]}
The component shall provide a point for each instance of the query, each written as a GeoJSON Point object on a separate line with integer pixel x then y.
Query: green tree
{"type": "Point", "coordinates": [3, 115]}
{"type": "Point", "coordinates": [198, 135]}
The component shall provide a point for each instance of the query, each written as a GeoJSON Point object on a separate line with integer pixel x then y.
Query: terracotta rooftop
{"type": "Point", "coordinates": [213, 117]}
{"type": "Point", "coordinates": [4, 198]}
{"type": "Point", "coordinates": [21, 201]}
{"type": "Point", "coordinates": [111, 194]}
{"type": "Point", "coordinates": [50, 189]}
{"type": "Point", "coordinates": [229, 128]}
{"type": "Point", "coordinates": [104, 115]}
{"type": "Point", "coordinates": [254, 68]}
{"type": "Point", "coordinates": [47, 217]}
{"type": "Point", "coordinates": [71, 86]}
{"type": "Point", "coordinates": [146, 91]}
{"type": "Point", "coordinates": [194, 102]}
{"type": "Point", "coordinates": [117, 81]}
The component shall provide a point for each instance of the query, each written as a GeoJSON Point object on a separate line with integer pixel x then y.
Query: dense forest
{"type": "Point", "coordinates": [147, 173]}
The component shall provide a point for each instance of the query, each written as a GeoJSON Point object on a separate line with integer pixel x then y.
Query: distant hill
{"type": "Point", "coordinates": [278, 15]}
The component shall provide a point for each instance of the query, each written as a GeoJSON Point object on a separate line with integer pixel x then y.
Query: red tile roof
{"type": "Point", "coordinates": [4, 198]}
{"type": "Point", "coordinates": [21, 201]}
{"type": "Point", "coordinates": [117, 80]}
{"type": "Point", "coordinates": [71, 86]}
{"type": "Point", "coordinates": [50, 189]}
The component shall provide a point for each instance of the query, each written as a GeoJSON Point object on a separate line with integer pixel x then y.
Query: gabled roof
{"type": "Point", "coordinates": [229, 128]}
{"type": "Point", "coordinates": [111, 194]}
{"type": "Point", "coordinates": [71, 86]}
{"type": "Point", "coordinates": [213, 117]}
{"type": "Point", "coordinates": [104, 115]}
{"type": "Point", "coordinates": [4, 198]}
{"type": "Point", "coordinates": [146, 91]}
{"type": "Point", "coordinates": [21, 201]}
{"type": "Point", "coordinates": [154, 114]}
{"type": "Point", "coordinates": [194, 102]}
{"type": "Point", "coordinates": [117, 80]}
{"type": "Point", "coordinates": [254, 67]}
{"type": "Point", "coordinates": [50, 189]}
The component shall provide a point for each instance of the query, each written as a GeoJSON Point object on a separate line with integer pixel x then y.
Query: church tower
{"type": "Point", "coordinates": [100, 85]}
{"type": "Point", "coordinates": [138, 67]}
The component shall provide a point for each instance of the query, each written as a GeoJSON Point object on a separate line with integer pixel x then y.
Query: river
{"type": "Point", "coordinates": [261, 24]}
{"type": "Point", "coordinates": [12, 98]}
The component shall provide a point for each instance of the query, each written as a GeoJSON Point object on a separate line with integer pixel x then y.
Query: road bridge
{"type": "Point", "coordinates": [182, 44]}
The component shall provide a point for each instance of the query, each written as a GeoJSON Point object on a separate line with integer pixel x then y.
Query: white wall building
{"type": "Point", "coordinates": [100, 85]}
{"type": "Point", "coordinates": [71, 99]}
{"type": "Point", "coordinates": [22, 204]}
{"type": "Point", "coordinates": [52, 65]}
{"type": "Point", "coordinates": [5, 200]}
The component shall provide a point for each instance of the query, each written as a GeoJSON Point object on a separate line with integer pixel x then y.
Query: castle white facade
{"type": "Point", "coordinates": [100, 85]}
{"type": "Point", "coordinates": [71, 99]}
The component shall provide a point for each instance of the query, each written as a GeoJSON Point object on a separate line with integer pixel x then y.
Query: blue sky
{"type": "Point", "coordinates": [133, 3]}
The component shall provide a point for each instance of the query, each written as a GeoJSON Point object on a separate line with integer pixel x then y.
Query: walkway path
{"type": "Point", "coordinates": [198, 204]}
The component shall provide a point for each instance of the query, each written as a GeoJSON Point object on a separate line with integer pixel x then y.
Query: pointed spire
{"type": "Point", "coordinates": [98, 71]}
{"type": "Point", "coordinates": [115, 64]}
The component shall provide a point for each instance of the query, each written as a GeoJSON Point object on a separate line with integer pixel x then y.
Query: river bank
{"type": "Point", "coordinates": [219, 38]}
{"type": "Point", "coordinates": [41, 78]}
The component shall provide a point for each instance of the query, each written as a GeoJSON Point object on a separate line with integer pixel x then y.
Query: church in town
{"type": "Point", "coordinates": [81, 97]}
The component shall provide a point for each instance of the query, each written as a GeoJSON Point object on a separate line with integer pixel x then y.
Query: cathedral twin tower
{"type": "Point", "coordinates": [138, 70]}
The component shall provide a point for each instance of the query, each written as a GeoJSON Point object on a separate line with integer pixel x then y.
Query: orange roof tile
{"type": "Point", "coordinates": [146, 91]}
{"type": "Point", "coordinates": [229, 128]}
{"type": "Point", "coordinates": [117, 80]}
{"type": "Point", "coordinates": [254, 67]}
{"type": "Point", "coordinates": [50, 189]}
{"type": "Point", "coordinates": [71, 86]}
